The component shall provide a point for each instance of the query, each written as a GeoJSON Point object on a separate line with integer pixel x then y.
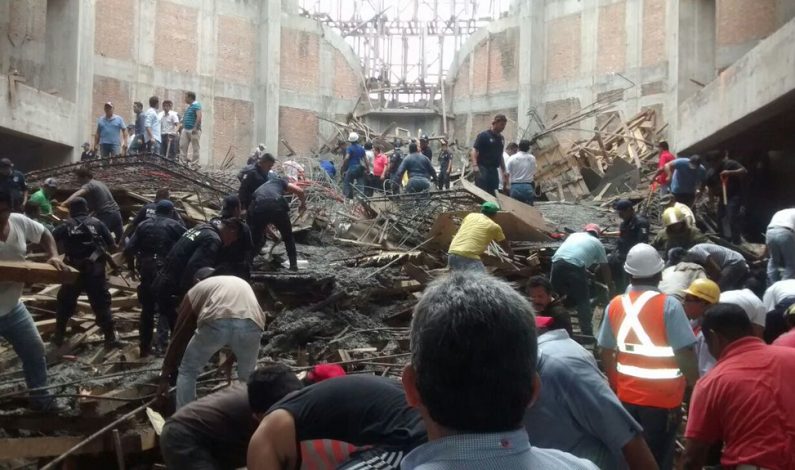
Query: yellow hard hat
{"type": "Point", "coordinates": [672, 215]}
{"type": "Point", "coordinates": [704, 289]}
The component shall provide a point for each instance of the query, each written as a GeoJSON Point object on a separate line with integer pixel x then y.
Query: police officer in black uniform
{"type": "Point", "coordinates": [252, 178]}
{"type": "Point", "coordinates": [634, 229]}
{"type": "Point", "coordinates": [198, 248]}
{"type": "Point", "coordinates": [235, 259]}
{"type": "Point", "coordinates": [13, 181]}
{"type": "Point", "coordinates": [85, 242]}
{"type": "Point", "coordinates": [150, 244]}
{"type": "Point", "coordinates": [394, 163]}
{"type": "Point", "coordinates": [270, 207]}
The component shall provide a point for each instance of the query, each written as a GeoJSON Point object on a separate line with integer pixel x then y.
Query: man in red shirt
{"type": "Point", "coordinates": [665, 157]}
{"type": "Point", "coordinates": [747, 401]}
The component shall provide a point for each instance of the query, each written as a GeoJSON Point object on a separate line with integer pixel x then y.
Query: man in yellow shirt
{"type": "Point", "coordinates": [477, 231]}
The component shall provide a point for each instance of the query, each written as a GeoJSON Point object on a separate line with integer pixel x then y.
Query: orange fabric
{"type": "Point", "coordinates": [660, 393]}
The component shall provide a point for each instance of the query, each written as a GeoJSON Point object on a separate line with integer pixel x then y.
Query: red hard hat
{"type": "Point", "coordinates": [593, 228]}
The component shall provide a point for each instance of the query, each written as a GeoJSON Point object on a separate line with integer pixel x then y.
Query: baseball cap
{"type": "Point", "coordinates": [51, 183]}
{"type": "Point", "coordinates": [695, 160]}
{"type": "Point", "coordinates": [544, 322]}
{"type": "Point", "coordinates": [323, 372]}
{"type": "Point", "coordinates": [592, 228]}
{"type": "Point", "coordinates": [108, 104]}
{"type": "Point", "coordinates": [164, 206]}
{"type": "Point", "coordinates": [622, 205]}
{"type": "Point", "coordinates": [489, 207]}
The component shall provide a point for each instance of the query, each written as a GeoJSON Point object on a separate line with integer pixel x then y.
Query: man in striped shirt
{"type": "Point", "coordinates": [191, 129]}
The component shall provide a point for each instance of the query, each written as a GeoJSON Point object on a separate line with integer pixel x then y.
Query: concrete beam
{"type": "Point", "coordinates": [266, 93]}
{"type": "Point", "coordinates": [743, 95]}
{"type": "Point", "coordinates": [38, 115]}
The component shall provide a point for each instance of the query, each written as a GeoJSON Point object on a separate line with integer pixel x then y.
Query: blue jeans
{"type": "Point", "coordinates": [108, 150]}
{"type": "Point", "coordinates": [418, 184]}
{"type": "Point", "coordinates": [462, 263]}
{"type": "Point", "coordinates": [18, 329]}
{"type": "Point", "coordinates": [488, 179]}
{"type": "Point", "coordinates": [153, 146]}
{"type": "Point", "coordinates": [241, 335]}
{"type": "Point", "coordinates": [354, 175]}
{"type": "Point", "coordinates": [523, 192]}
{"type": "Point", "coordinates": [781, 248]}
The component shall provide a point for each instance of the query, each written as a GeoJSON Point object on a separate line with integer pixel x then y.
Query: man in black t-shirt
{"type": "Point", "coordinates": [360, 410]}
{"type": "Point", "coordinates": [723, 169]}
{"type": "Point", "coordinates": [486, 155]}
{"type": "Point", "coordinates": [268, 206]}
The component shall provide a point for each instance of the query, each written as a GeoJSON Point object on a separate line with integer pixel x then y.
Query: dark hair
{"type": "Point", "coordinates": [190, 95]}
{"type": "Point", "coordinates": [267, 157]}
{"type": "Point", "coordinates": [377, 147]}
{"type": "Point", "coordinates": [368, 145]}
{"type": "Point", "coordinates": [540, 281]}
{"type": "Point", "coordinates": [83, 173]}
{"type": "Point", "coordinates": [165, 102]}
{"type": "Point", "coordinates": [512, 146]}
{"type": "Point", "coordinates": [663, 145]}
{"type": "Point", "coordinates": [500, 117]}
{"type": "Point", "coordinates": [728, 320]}
{"type": "Point", "coordinates": [138, 103]}
{"type": "Point", "coordinates": [524, 145]}
{"type": "Point", "coordinates": [233, 223]}
{"type": "Point", "coordinates": [413, 147]}
{"type": "Point", "coordinates": [474, 349]}
{"type": "Point", "coordinates": [269, 384]}
{"type": "Point", "coordinates": [154, 101]}
{"type": "Point", "coordinates": [161, 194]}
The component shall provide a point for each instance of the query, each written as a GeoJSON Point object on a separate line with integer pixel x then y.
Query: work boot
{"type": "Point", "coordinates": [111, 341]}
{"type": "Point", "coordinates": [58, 336]}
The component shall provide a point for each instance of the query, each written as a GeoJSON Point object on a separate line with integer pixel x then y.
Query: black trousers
{"type": "Point", "coordinates": [114, 223]}
{"type": "Point", "coordinates": [147, 269]}
{"type": "Point", "coordinates": [167, 298]}
{"type": "Point", "coordinates": [571, 281]}
{"type": "Point", "coordinates": [184, 448]}
{"type": "Point", "coordinates": [730, 219]}
{"type": "Point", "coordinates": [263, 213]}
{"type": "Point", "coordinates": [443, 179]}
{"type": "Point", "coordinates": [659, 430]}
{"type": "Point", "coordinates": [91, 280]}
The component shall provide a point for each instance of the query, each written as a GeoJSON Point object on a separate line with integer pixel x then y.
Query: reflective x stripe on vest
{"type": "Point", "coordinates": [646, 348]}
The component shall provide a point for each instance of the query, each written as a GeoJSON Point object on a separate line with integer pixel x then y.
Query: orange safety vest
{"type": "Point", "coordinates": [648, 374]}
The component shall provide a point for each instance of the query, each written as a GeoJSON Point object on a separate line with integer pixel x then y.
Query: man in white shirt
{"type": "Point", "coordinates": [152, 126]}
{"type": "Point", "coordinates": [781, 246]}
{"type": "Point", "coordinates": [16, 324]}
{"type": "Point", "coordinates": [723, 265]}
{"type": "Point", "coordinates": [778, 292]}
{"type": "Point", "coordinates": [510, 150]}
{"type": "Point", "coordinates": [521, 169]}
{"type": "Point", "coordinates": [223, 311]}
{"type": "Point", "coordinates": [169, 122]}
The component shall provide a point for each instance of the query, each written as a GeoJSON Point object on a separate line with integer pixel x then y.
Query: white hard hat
{"type": "Point", "coordinates": [353, 137]}
{"type": "Point", "coordinates": [643, 261]}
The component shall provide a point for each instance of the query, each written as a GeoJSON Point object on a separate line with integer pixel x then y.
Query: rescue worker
{"type": "Point", "coordinates": [425, 149]}
{"type": "Point", "coordinates": [678, 275]}
{"type": "Point", "coordinates": [198, 248]}
{"type": "Point", "coordinates": [148, 211]}
{"type": "Point", "coordinates": [647, 352]}
{"type": "Point", "coordinates": [723, 265]}
{"type": "Point", "coordinates": [44, 196]}
{"type": "Point", "coordinates": [394, 163]}
{"type": "Point", "coordinates": [667, 200]}
{"type": "Point", "coordinates": [217, 312]}
{"type": "Point", "coordinates": [354, 166]}
{"type": "Point", "coordinates": [100, 201]}
{"type": "Point", "coordinates": [253, 177]}
{"type": "Point", "coordinates": [149, 245]}
{"type": "Point", "coordinates": [235, 259]}
{"type": "Point", "coordinates": [477, 231]}
{"type": "Point", "coordinates": [268, 206]}
{"type": "Point", "coordinates": [445, 167]}
{"type": "Point", "coordinates": [677, 233]}
{"type": "Point", "coordinates": [780, 239]}
{"type": "Point", "coordinates": [687, 176]}
{"type": "Point", "coordinates": [728, 173]}
{"type": "Point", "coordinates": [85, 242]}
{"type": "Point", "coordinates": [569, 274]}
{"type": "Point", "coordinates": [634, 229]}
{"type": "Point", "coordinates": [13, 181]}
{"type": "Point", "coordinates": [700, 296]}
{"type": "Point", "coordinates": [420, 171]}
{"type": "Point", "coordinates": [541, 294]}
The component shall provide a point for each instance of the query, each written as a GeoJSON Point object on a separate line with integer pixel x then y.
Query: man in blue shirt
{"type": "Point", "coordinates": [486, 155]}
{"type": "Point", "coordinates": [355, 166]}
{"type": "Point", "coordinates": [191, 129]}
{"type": "Point", "coordinates": [687, 176]}
{"type": "Point", "coordinates": [328, 167]}
{"type": "Point", "coordinates": [577, 412]}
{"type": "Point", "coordinates": [419, 169]}
{"type": "Point", "coordinates": [472, 376]}
{"type": "Point", "coordinates": [107, 136]}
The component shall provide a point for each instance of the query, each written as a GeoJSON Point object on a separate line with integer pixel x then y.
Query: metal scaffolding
{"type": "Point", "coordinates": [405, 46]}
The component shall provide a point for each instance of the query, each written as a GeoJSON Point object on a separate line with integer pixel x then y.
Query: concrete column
{"type": "Point", "coordinates": [206, 59]}
{"type": "Point", "coordinates": [691, 52]}
{"type": "Point", "coordinates": [633, 26]}
{"type": "Point", "coordinates": [267, 84]}
{"type": "Point", "coordinates": [531, 60]}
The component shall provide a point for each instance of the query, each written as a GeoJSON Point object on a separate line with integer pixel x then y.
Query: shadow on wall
{"type": "Point", "coordinates": [32, 154]}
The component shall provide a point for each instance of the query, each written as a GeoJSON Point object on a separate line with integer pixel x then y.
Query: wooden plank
{"type": "Point", "coordinates": [524, 211]}
{"type": "Point", "coordinates": [30, 272]}
{"type": "Point", "coordinates": [45, 327]}
{"type": "Point", "coordinates": [472, 189]}
{"type": "Point", "coordinates": [33, 447]}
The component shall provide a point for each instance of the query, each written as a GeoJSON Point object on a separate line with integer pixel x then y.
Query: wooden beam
{"type": "Point", "coordinates": [30, 272]}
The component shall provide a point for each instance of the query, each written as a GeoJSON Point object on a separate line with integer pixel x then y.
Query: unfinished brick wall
{"type": "Point", "coordinates": [503, 61]}
{"type": "Point", "coordinates": [176, 37]}
{"type": "Point", "coordinates": [347, 82]}
{"type": "Point", "coordinates": [558, 110]}
{"type": "Point", "coordinates": [114, 32]}
{"type": "Point", "coordinates": [236, 54]}
{"type": "Point", "coordinates": [461, 86]}
{"type": "Point", "coordinates": [482, 121]}
{"type": "Point", "coordinates": [480, 72]}
{"type": "Point", "coordinates": [116, 91]}
{"type": "Point", "coordinates": [232, 132]}
{"type": "Point", "coordinates": [563, 48]}
{"type": "Point", "coordinates": [299, 128]}
{"type": "Point", "coordinates": [740, 21]}
{"type": "Point", "coordinates": [611, 40]}
{"type": "Point", "coordinates": [653, 38]}
{"type": "Point", "coordinates": [299, 61]}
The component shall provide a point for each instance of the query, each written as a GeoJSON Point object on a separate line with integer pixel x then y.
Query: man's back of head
{"type": "Point", "coordinates": [473, 356]}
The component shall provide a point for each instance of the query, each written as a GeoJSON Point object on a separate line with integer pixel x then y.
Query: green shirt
{"type": "Point", "coordinates": [43, 200]}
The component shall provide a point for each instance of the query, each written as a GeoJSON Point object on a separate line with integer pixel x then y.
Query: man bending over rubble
{"type": "Point", "coordinates": [477, 231]}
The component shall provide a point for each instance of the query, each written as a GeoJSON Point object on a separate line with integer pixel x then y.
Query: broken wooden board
{"type": "Point", "coordinates": [30, 272]}
{"type": "Point", "coordinates": [34, 447]}
{"type": "Point", "coordinates": [526, 212]}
